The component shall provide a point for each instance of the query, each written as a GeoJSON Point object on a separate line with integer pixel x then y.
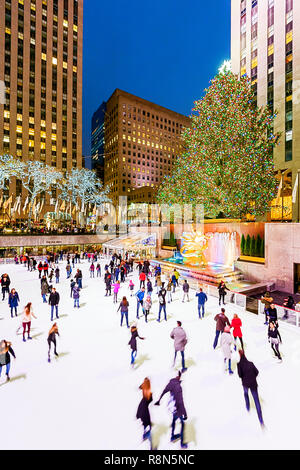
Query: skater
{"type": "Point", "coordinates": [131, 287]}
{"type": "Point", "coordinates": [76, 295]}
{"type": "Point", "coordinates": [272, 314]}
{"type": "Point", "coordinates": [92, 270]}
{"type": "Point", "coordinates": [69, 270]}
{"type": "Point", "coordinates": [180, 341]}
{"type": "Point", "coordinates": [108, 285]}
{"type": "Point", "coordinates": [202, 299]}
{"type": "Point", "coordinates": [289, 303]}
{"type": "Point", "coordinates": [226, 341]}
{"type": "Point", "coordinates": [142, 278]}
{"type": "Point", "coordinates": [162, 301]}
{"type": "Point", "coordinates": [140, 294]}
{"type": "Point", "coordinates": [149, 287]}
{"type": "Point", "coordinates": [57, 274]}
{"type": "Point", "coordinates": [177, 407]}
{"type": "Point", "coordinates": [132, 342]}
{"type": "Point", "coordinates": [158, 282]}
{"type": "Point", "coordinates": [51, 275]}
{"type": "Point", "coordinates": [177, 276]}
{"type": "Point", "coordinates": [98, 269]}
{"type": "Point", "coordinates": [72, 284]}
{"type": "Point", "coordinates": [143, 410]}
{"type": "Point", "coordinates": [54, 301]}
{"type": "Point", "coordinates": [174, 281]}
{"type": "Point", "coordinates": [124, 310]}
{"type": "Point", "coordinates": [5, 283]}
{"type": "Point", "coordinates": [78, 277]}
{"type": "Point", "coordinates": [40, 269]}
{"type": "Point", "coordinates": [44, 289]}
{"type": "Point", "coordinates": [267, 300]}
{"type": "Point", "coordinates": [13, 302]}
{"type": "Point", "coordinates": [26, 320]}
{"type": "Point", "coordinates": [52, 339]}
{"type": "Point", "coordinates": [222, 292]}
{"type": "Point", "coordinates": [222, 321]}
{"type": "Point", "coordinates": [116, 287]}
{"type": "Point", "coordinates": [185, 288]}
{"type": "Point", "coordinates": [248, 373]}
{"type": "Point", "coordinates": [147, 307]}
{"type": "Point", "coordinates": [169, 290]}
{"type": "Point", "coordinates": [45, 268]}
{"type": "Point", "coordinates": [5, 351]}
{"type": "Point", "coordinates": [274, 338]}
{"type": "Point", "coordinates": [236, 324]}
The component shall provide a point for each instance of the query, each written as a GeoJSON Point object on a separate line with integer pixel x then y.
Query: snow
{"type": "Point", "coordinates": [87, 398]}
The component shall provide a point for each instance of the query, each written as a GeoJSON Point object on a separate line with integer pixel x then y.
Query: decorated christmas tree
{"type": "Point", "coordinates": [228, 163]}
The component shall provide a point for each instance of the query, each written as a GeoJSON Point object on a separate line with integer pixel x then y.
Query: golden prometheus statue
{"type": "Point", "coordinates": [193, 246]}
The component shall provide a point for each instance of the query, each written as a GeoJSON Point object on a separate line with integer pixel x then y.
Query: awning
{"type": "Point", "coordinates": [133, 242]}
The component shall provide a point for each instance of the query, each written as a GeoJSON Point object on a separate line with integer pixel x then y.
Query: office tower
{"type": "Point", "coordinates": [265, 45]}
{"type": "Point", "coordinates": [98, 139]}
{"type": "Point", "coordinates": [142, 143]}
{"type": "Point", "coordinates": [41, 65]}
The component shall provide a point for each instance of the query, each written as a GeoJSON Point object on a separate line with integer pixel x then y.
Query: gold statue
{"type": "Point", "coordinates": [194, 244]}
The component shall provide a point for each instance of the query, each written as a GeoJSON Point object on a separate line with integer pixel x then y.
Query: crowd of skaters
{"type": "Point", "coordinates": [150, 279]}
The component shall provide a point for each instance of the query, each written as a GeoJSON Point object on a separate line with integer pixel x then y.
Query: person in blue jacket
{"type": "Point", "coordinates": [140, 294]}
{"type": "Point", "coordinates": [202, 298]}
{"type": "Point", "coordinates": [13, 302]}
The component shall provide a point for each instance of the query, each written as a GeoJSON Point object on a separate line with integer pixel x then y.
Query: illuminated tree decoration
{"type": "Point", "coordinates": [228, 164]}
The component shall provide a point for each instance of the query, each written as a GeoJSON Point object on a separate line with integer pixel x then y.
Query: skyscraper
{"type": "Point", "coordinates": [98, 139]}
{"type": "Point", "coordinates": [265, 45]}
{"type": "Point", "coordinates": [41, 66]}
{"type": "Point", "coordinates": [142, 143]}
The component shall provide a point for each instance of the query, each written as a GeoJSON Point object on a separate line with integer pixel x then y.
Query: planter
{"type": "Point", "coordinates": [169, 248]}
{"type": "Point", "coordinates": [252, 259]}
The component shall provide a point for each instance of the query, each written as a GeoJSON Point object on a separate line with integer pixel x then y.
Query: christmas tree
{"type": "Point", "coordinates": [228, 163]}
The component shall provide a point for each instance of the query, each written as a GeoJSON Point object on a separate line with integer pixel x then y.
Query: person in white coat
{"type": "Point", "coordinates": [226, 342]}
{"type": "Point", "coordinates": [180, 341]}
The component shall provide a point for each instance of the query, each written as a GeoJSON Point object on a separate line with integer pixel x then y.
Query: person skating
{"type": "Point", "coordinates": [116, 287]}
{"type": "Point", "coordinates": [132, 343]}
{"type": "Point", "coordinates": [147, 307]}
{"type": "Point", "coordinates": [185, 288]}
{"type": "Point", "coordinates": [78, 277]}
{"type": "Point", "coordinates": [289, 303]}
{"type": "Point", "coordinates": [177, 407]}
{"type": "Point", "coordinates": [52, 339]}
{"type": "Point", "coordinates": [162, 302]}
{"type": "Point", "coordinates": [177, 276]}
{"type": "Point", "coordinates": [13, 302]}
{"type": "Point", "coordinates": [143, 410]}
{"type": "Point", "coordinates": [226, 341]}
{"type": "Point", "coordinates": [222, 292]}
{"type": "Point", "coordinates": [54, 301]}
{"type": "Point", "coordinates": [69, 270]}
{"type": "Point", "coordinates": [40, 269]}
{"type": "Point", "coordinates": [274, 338]}
{"type": "Point", "coordinates": [72, 284]}
{"type": "Point", "coordinates": [158, 282]}
{"type": "Point", "coordinates": [76, 295]}
{"type": "Point", "coordinates": [26, 320]}
{"type": "Point", "coordinates": [202, 299]}
{"type": "Point", "coordinates": [140, 294]}
{"type": "Point", "coordinates": [131, 287]}
{"type": "Point", "coordinates": [5, 283]}
{"type": "Point", "coordinates": [57, 274]}
{"type": "Point", "coordinates": [44, 289]}
{"type": "Point", "coordinates": [272, 314]}
{"type": "Point", "coordinates": [248, 373]}
{"type": "Point", "coordinates": [45, 268]}
{"type": "Point", "coordinates": [236, 324]}
{"type": "Point", "coordinates": [174, 281]}
{"type": "Point", "coordinates": [108, 285]}
{"type": "Point", "coordinates": [142, 278]}
{"type": "Point", "coordinates": [5, 351]}
{"type": "Point", "coordinates": [180, 341]}
{"type": "Point", "coordinates": [98, 269]}
{"type": "Point", "coordinates": [267, 300]}
{"type": "Point", "coordinates": [149, 287]}
{"type": "Point", "coordinates": [169, 290]}
{"type": "Point", "coordinates": [124, 310]}
{"type": "Point", "coordinates": [222, 321]}
{"type": "Point", "coordinates": [92, 270]}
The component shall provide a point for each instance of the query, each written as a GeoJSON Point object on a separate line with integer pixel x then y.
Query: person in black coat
{"type": "Point", "coordinates": [143, 410]}
{"type": "Point", "coordinates": [222, 292]}
{"type": "Point", "coordinates": [54, 301]}
{"type": "Point", "coordinates": [132, 342]}
{"type": "Point", "coordinates": [272, 314]}
{"type": "Point", "coordinates": [178, 410]}
{"type": "Point", "coordinates": [5, 283]}
{"type": "Point", "coordinates": [248, 373]}
{"type": "Point", "coordinates": [274, 338]}
{"type": "Point", "coordinates": [288, 303]}
{"type": "Point", "coordinates": [5, 351]}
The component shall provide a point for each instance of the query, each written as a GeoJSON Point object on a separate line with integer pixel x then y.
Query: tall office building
{"type": "Point", "coordinates": [142, 143]}
{"type": "Point", "coordinates": [41, 66]}
{"type": "Point", "coordinates": [265, 45]}
{"type": "Point", "coordinates": [98, 139]}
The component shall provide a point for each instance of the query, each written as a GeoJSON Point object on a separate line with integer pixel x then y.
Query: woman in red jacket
{"type": "Point", "coordinates": [237, 332]}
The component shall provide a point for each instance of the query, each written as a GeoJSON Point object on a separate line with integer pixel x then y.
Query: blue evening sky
{"type": "Point", "coordinates": [165, 51]}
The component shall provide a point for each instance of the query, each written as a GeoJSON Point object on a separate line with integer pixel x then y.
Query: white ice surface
{"type": "Point", "coordinates": [88, 397]}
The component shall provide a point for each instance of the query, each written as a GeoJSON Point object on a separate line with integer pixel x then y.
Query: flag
{"type": "Point", "coordinates": [294, 195]}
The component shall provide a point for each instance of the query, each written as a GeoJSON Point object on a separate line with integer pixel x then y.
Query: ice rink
{"type": "Point", "coordinates": [87, 398]}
